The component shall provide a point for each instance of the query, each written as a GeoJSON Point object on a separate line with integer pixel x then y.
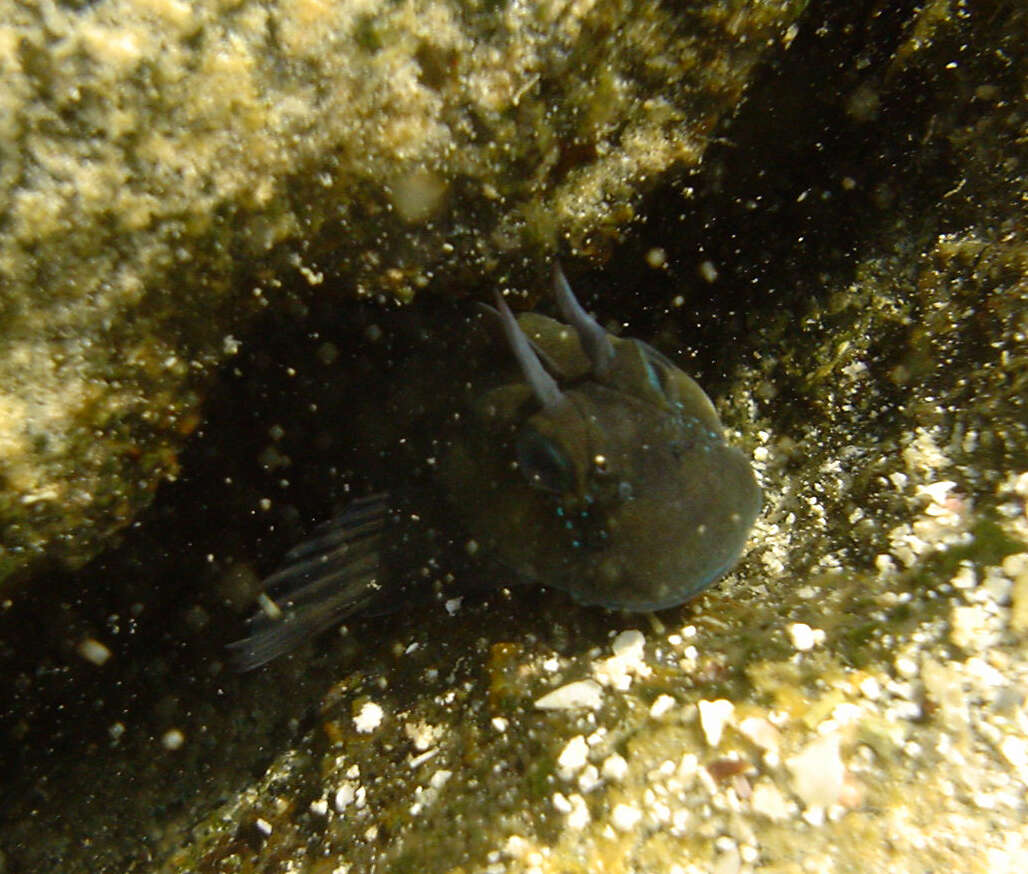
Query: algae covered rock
{"type": "Point", "coordinates": [165, 167]}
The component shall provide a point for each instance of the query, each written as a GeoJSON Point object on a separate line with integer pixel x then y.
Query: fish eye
{"type": "Point", "coordinates": [543, 463]}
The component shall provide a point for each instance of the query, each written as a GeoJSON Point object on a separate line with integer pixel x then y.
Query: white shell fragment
{"type": "Point", "coordinates": [818, 772]}
{"type": "Point", "coordinates": [714, 715]}
{"type": "Point", "coordinates": [369, 718]}
{"type": "Point", "coordinates": [767, 800]}
{"type": "Point", "coordinates": [581, 693]}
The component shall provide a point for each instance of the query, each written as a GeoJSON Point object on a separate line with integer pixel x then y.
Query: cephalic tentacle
{"type": "Point", "coordinates": [595, 341]}
{"type": "Point", "coordinates": [543, 386]}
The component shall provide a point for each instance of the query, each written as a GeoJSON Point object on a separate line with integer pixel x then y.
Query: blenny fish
{"type": "Point", "coordinates": [595, 466]}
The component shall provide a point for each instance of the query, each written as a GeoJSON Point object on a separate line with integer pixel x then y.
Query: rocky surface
{"type": "Point", "coordinates": [848, 277]}
{"type": "Point", "coordinates": [167, 167]}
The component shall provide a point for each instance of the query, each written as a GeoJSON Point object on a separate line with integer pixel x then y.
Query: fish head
{"type": "Point", "coordinates": [628, 496]}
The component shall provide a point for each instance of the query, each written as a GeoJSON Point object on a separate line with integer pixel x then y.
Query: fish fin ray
{"type": "Point", "coordinates": [271, 638]}
{"type": "Point", "coordinates": [362, 516]}
{"type": "Point", "coordinates": [332, 575]}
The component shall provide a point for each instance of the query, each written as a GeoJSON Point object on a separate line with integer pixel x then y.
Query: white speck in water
{"type": "Point", "coordinates": [173, 739]}
{"type": "Point", "coordinates": [93, 651]}
{"type": "Point", "coordinates": [656, 258]}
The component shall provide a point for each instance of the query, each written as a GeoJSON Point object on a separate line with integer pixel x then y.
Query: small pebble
{"type": "Point", "coordinates": [663, 704]}
{"type": "Point", "coordinates": [574, 756]}
{"type": "Point", "coordinates": [870, 688]}
{"type": "Point", "coordinates": [805, 638]}
{"type": "Point", "coordinates": [615, 767]}
{"type": "Point", "coordinates": [625, 817]}
{"type": "Point", "coordinates": [345, 796]}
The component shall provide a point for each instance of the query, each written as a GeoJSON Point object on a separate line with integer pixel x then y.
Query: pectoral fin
{"type": "Point", "coordinates": [324, 579]}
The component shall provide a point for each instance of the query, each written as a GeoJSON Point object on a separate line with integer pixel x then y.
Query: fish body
{"type": "Point", "coordinates": [595, 466]}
